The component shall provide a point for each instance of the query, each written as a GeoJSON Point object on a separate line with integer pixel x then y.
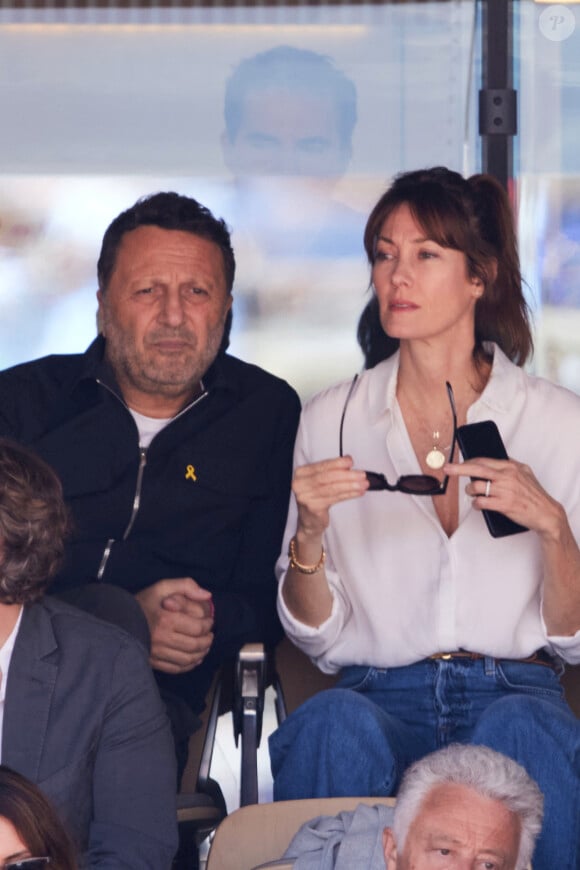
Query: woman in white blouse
{"type": "Point", "coordinates": [442, 633]}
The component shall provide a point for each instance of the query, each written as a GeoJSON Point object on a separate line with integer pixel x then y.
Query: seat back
{"type": "Point", "coordinates": [571, 683]}
{"type": "Point", "coordinates": [296, 678]}
{"type": "Point", "coordinates": [200, 802]}
{"type": "Point", "coordinates": [261, 833]}
{"type": "Point", "coordinates": [195, 776]}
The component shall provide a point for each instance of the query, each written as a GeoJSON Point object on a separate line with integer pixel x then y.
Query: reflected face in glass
{"type": "Point", "coordinates": [285, 132]}
{"type": "Point", "coordinates": [11, 846]}
{"type": "Point", "coordinates": [457, 829]}
{"type": "Point", "coordinates": [163, 316]}
{"type": "Point", "coordinates": [424, 290]}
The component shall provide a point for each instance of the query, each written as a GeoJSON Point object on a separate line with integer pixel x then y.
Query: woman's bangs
{"type": "Point", "coordinates": [440, 220]}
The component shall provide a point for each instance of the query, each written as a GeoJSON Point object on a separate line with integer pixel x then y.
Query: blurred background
{"type": "Point", "coordinates": [288, 121]}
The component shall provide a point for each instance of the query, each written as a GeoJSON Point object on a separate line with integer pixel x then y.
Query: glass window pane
{"type": "Point", "coordinates": [549, 188]}
{"type": "Point", "coordinates": [101, 106]}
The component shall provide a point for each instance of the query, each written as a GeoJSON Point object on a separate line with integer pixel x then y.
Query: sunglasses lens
{"type": "Point", "coordinates": [419, 484]}
{"type": "Point", "coordinates": [376, 481]}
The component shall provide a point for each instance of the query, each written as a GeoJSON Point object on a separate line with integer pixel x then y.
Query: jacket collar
{"type": "Point", "coordinates": [96, 368]}
{"type": "Point", "coordinates": [31, 681]}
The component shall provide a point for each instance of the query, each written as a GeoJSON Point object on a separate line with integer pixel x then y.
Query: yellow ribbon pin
{"type": "Point", "coordinates": [190, 473]}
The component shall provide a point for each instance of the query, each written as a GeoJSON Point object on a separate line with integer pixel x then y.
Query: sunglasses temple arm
{"type": "Point", "coordinates": [454, 412]}
{"type": "Point", "coordinates": [349, 394]}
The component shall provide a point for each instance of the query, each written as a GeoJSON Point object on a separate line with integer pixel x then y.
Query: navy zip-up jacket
{"type": "Point", "coordinates": [207, 499]}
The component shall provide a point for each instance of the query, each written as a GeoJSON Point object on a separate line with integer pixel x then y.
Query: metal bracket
{"type": "Point", "coordinates": [498, 114]}
{"type": "Point", "coordinates": [248, 715]}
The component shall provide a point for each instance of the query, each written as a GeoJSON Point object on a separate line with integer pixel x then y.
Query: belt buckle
{"type": "Point", "coordinates": [446, 656]}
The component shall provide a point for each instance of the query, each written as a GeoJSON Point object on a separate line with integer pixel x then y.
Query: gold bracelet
{"type": "Point", "coordinates": [304, 569]}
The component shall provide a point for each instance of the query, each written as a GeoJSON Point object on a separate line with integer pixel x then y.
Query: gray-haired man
{"type": "Point", "coordinates": [464, 808]}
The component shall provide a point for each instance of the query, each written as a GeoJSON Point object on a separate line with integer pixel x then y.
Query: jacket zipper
{"type": "Point", "coordinates": [136, 503]}
{"type": "Point", "coordinates": [139, 483]}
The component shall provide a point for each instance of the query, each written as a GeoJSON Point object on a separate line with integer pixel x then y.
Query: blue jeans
{"type": "Point", "coordinates": [358, 738]}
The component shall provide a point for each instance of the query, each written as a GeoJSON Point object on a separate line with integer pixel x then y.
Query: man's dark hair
{"type": "Point", "coordinates": [168, 211]}
{"type": "Point", "coordinates": [33, 524]}
{"type": "Point", "coordinates": [296, 69]}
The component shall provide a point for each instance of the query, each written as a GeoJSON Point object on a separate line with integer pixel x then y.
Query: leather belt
{"type": "Point", "coordinates": [540, 657]}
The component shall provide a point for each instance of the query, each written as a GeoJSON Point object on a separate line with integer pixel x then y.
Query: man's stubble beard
{"type": "Point", "coordinates": [167, 375]}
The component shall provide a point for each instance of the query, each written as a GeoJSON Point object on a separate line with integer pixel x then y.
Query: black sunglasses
{"type": "Point", "coordinates": [27, 864]}
{"type": "Point", "coordinates": [411, 484]}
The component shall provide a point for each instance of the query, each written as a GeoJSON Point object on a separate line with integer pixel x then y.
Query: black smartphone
{"type": "Point", "coordinates": [483, 439]}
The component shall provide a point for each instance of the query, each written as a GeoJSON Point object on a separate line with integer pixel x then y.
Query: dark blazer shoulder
{"type": "Point", "coordinates": [83, 720]}
{"type": "Point", "coordinates": [50, 370]}
{"type": "Point", "coordinates": [55, 624]}
{"type": "Point", "coordinates": [34, 394]}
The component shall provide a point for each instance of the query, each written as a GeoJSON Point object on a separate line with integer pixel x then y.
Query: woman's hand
{"type": "Point", "coordinates": [514, 491]}
{"type": "Point", "coordinates": [511, 488]}
{"type": "Point", "coordinates": [320, 485]}
{"type": "Point", "coordinates": [317, 487]}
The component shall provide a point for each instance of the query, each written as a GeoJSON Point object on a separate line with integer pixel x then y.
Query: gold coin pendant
{"type": "Point", "coordinates": [435, 458]}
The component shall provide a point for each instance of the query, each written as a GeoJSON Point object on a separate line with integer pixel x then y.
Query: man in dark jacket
{"type": "Point", "coordinates": [81, 715]}
{"type": "Point", "coordinates": [175, 458]}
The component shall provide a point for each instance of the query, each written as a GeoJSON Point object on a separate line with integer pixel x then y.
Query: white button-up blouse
{"type": "Point", "coordinates": [402, 589]}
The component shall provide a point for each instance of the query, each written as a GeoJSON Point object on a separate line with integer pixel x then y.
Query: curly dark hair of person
{"type": "Point", "coordinates": [35, 820]}
{"type": "Point", "coordinates": [33, 524]}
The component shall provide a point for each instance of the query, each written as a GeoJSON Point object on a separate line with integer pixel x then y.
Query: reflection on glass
{"type": "Point", "coordinates": [549, 188]}
{"type": "Point", "coordinates": [561, 260]}
{"type": "Point", "coordinates": [289, 131]}
{"type": "Point", "coordinates": [289, 118]}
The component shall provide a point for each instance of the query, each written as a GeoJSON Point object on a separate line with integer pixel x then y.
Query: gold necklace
{"type": "Point", "coordinates": [436, 458]}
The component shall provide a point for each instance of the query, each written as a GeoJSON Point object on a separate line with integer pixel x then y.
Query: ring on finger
{"type": "Point", "coordinates": [487, 488]}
